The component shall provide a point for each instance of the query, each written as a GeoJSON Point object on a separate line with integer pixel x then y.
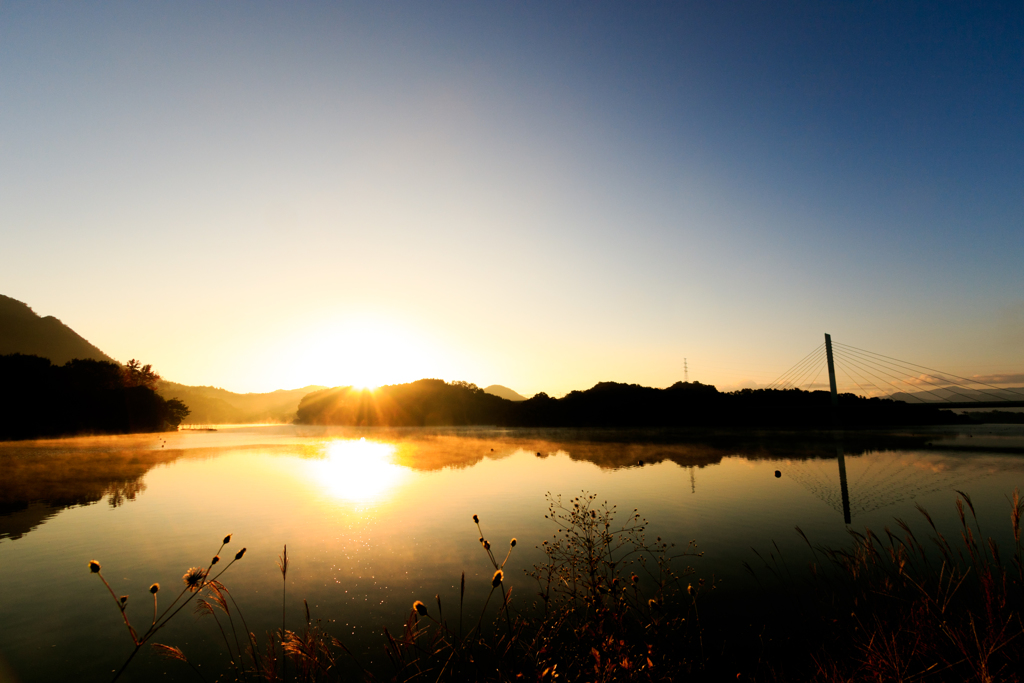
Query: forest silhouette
{"type": "Point", "coordinates": [434, 402]}
{"type": "Point", "coordinates": [82, 396]}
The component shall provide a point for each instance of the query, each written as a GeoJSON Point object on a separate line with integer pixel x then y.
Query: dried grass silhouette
{"type": "Point", "coordinates": [610, 607]}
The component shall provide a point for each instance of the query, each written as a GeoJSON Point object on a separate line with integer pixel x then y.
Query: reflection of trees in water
{"type": "Point", "coordinates": [613, 449]}
{"type": "Point", "coordinates": [40, 478]}
{"type": "Point", "coordinates": [119, 492]}
{"type": "Point", "coordinates": [37, 479]}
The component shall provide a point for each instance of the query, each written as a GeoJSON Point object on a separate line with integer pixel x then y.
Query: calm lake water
{"type": "Point", "coordinates": [375, 519]}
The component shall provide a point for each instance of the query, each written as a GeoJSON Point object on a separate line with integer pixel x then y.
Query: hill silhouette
{"type": "Point", "coordinates": [212, 405]}
{"type": "Point", "coordinates": [423, 403]}
{"type": "Point", "coordinates": [433, 402]}
{"type": "Point", "coordinates": [22, 330]}
{"type": "Point", "coordinates": [504, 392]}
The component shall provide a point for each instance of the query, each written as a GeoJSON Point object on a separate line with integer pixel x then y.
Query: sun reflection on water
{"type": "Point", "coordinates": [359, 471]}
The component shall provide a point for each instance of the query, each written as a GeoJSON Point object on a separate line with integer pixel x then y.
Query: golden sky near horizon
{"type": "Point", "coordinates": [542, 197]}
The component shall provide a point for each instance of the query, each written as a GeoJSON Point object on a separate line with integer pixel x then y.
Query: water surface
{"type": "Point", "coordinates": [374, 519]}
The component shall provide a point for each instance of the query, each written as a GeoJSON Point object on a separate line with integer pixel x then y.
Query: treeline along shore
{"type": "Point", "coordinates": [434, 402]}
{"type": "Point", "coordinates": [82, 396]}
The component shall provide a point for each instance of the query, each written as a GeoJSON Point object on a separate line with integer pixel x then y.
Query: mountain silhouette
{"type": "Point", "coordinates": [959, 394]}
{"type": "Point", "coordinates": [22, 330]}
{"type": "Point", "coordinates": [212, 405]}
{"type": "Point", "coordinates": [504, 392]}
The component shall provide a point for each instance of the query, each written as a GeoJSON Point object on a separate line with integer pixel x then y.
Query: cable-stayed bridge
{"type": "Point", "coordinates": [875, 375]}
{"type": "Point", "coordinates": [870, 374]}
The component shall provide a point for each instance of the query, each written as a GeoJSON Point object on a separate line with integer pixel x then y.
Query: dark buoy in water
{"type": "Point", "coordinates": [640, 463]}
{"type": "Point", "coordinates": [778, 474]}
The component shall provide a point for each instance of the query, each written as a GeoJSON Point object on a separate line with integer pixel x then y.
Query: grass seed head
{"type": "Point", "coordinates": [499, 576]}
{"type": "Point", "coordinates": [512, 543]}
{"type": "Point", "coordinates": [420, 608]}
{"type": "Point", "coordinates": [476, 519]}
{"type": "Point", "coordinates": [124, 599]}
{"type": "Point", "coordinates": [239, 554]}
{"type": "Point", "coordinates": [155, 588]}
{"type": "Point", "coordinates": [94, 566]}
{"type": "Point", "coordinates": [227, 539]}
{"type": "Point", "coordinates": [193, 578]}
{"type": "Point", "coordinates": [215, 560]}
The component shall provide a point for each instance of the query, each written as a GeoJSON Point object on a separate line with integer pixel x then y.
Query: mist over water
{"type": "Point", "coordinates": [375, 519]}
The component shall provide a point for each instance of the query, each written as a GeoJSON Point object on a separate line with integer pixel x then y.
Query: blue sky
{"type": "Point", "coordinates": [541, 195]}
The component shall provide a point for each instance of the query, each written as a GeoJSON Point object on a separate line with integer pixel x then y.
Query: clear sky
{"type": "Point", "coordinates": [268, 195]}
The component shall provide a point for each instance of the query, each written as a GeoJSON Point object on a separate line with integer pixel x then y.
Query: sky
{"type": "Point", "coordinates": [540, 195]}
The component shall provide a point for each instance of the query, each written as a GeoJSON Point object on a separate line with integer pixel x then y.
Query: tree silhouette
{"type": "Point", "coordinates": [176, 412]}
{"type": "Point", "coordinates": [82, 396]}
{"type": "Point", "coordinates": [138, 375]}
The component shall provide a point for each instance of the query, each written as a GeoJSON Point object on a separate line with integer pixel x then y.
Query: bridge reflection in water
{"type": "Point", "coordinates": [843, 488]}
{"type": "Point", "coordinates": [875, 480]}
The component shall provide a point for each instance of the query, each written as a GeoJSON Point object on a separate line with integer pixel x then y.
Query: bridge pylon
{"type": "Point", "coordinates": [831, 369]}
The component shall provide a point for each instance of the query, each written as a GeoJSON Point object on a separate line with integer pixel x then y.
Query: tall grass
{"type": "Point", "coordinates": [196, 580]}
{"type": "Point", "coordinates": [608, 605]}
{"type": "Point", "coordinates": [897, 606]}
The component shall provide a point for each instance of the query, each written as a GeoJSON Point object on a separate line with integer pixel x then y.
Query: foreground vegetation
{"type": "Point", "coordinates": [610, 606]}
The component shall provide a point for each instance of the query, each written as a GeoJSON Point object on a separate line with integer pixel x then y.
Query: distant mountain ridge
{"type": "Point", "coordinates": [943, 394]}
{"type": "Point", "coordinates": [22, 330]}
{"type": "Point", "coordinates": [504, 392]}
{"type": "Point", "coordinates": [212, 405]}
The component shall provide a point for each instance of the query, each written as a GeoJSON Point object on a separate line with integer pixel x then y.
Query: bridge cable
{"type": "Point", "coordinates": [798, 381]}
{"type": "Point", "coordinates": [922, 377]}
{"type": "Point", "coordinates": [872, 374]}
{"type": "Point", "coordinates": [799, 363]}
{"type": "Point", "coordinates": [787, 379]}
{"type": "Point", "coordinates": [818, 363]}
{"type": "Point", "coordinates": [856, 369]}
{"type": "Point", "coordinates": [784, 377]}
{"type": "Point", "coordinates": [885, 364]}
{"type": "Point", "coordinates": [837, 362]}
{"type": "Point", "coordinates": [860, 363]}
{"type": "Point", "coordinates": [820, 368]}
{"type": "Point", "coordinates": [882, 369]}
{"type": "Point", "coordinates": [965, 379]}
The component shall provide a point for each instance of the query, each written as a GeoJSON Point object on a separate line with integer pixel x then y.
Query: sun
{"type": "Point", "coordinates": [364, 353]}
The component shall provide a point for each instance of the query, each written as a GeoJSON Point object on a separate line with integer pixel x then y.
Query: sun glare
{"type": "Point", "coordinates": [358, 471]}
{"type": "Point", "coordinates": [362, 353]}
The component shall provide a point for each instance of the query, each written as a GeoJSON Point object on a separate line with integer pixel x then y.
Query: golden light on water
{"type": "Point", "coordinates": [358, 471]}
